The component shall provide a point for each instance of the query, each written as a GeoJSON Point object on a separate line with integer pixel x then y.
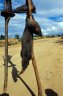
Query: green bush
{"type": "Point", "coordinates": [2, 37]}
{"type": "Point", "coordinates": [17, 36]}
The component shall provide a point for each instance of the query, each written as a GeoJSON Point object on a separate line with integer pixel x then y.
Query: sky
{"type": "Point", "coordinates": [49, 15]}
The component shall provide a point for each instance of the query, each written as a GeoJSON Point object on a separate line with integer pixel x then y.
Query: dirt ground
{"type": "Point", "coordinates": [49, 59]}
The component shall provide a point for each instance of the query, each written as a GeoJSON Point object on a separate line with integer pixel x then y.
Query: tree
{"type": "Point", "coordinates": [17, 36]}
{"type": "Point", "coordinates": [2, 37]}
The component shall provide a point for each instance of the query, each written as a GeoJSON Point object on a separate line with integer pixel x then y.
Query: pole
{"type": "Point", "coordinates": [33, 57]}
{"type": "Point", "coordinates": [6, 55]}
{"type": "Point", "coordinates": [29, 2]}
{"type": "Point", "coordinates": [36, 74]}
{"type": "Point", "coordinates": [7, 14]}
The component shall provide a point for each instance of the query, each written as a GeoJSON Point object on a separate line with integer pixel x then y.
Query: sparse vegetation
{"type": "Point", "coordinates": [2, 37]}
{"type": "Point", "coordinates": [17, 37]}
{"type": "Point", "coordinates": [62, 36]}
{"type": "Point", "coordinates": [10, 42]}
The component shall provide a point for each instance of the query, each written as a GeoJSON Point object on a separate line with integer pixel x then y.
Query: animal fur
{"type": "Point", "coordinates": [33, 26]}
{"type": "Point", "coordinates": [26, 52]}
{"type": "Point", "coordinates": [27, 41]}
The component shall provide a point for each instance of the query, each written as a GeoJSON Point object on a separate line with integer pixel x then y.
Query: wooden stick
{"type": "Point", "coordinates": [36, 74]}
{"type": "Point", "coordinates": [33, 57]}
{"type": "Point", "coordinates": [7, 13]}
{"type": "Point", "coordinates": [29, 2]}
{"type": "Point", "coordinates": [6, 56]}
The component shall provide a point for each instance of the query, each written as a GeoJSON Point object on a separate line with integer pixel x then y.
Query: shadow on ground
{"type": "Point", "coordinates": [50, 92]}
{"type": "Point", "coordinates": [16, 76]}
{"type": "Point", "coordinates": [4, 94]}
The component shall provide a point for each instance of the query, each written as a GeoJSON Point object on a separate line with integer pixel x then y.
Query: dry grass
{"type": "Point", "coordinates": [10, 42]}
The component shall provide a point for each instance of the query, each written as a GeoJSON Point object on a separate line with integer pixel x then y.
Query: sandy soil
{"type": "Point", "coordinates": [49, 59]}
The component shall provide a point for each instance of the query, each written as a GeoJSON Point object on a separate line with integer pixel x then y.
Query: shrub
{"type": "Point", "coordinates": [17, 36]}
{"type": "Point", "coordinates": [2, 37]}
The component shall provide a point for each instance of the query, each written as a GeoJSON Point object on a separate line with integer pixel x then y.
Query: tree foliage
{"type": "Point", "coordinates": [17, 36]}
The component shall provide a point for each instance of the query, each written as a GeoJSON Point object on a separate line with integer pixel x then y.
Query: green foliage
{"type": "Point", "coordinates": [2, 37]}
{"type": "Point", "coordinates": [17, 36]}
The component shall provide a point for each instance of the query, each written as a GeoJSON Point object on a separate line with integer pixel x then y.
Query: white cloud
{"type": "Point", "coordinates": [45, 10]}
{"type": "Point", "coordinates": [50, 12]}
{"type": "Point", "coordinates": [19, 16]}
{"type": "Point", "coordinates": [61, 24]}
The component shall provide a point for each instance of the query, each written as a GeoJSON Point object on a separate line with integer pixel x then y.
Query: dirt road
{"type": "Point", "coordinates": [49, 59]}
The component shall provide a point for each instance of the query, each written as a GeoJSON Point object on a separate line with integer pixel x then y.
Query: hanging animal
{"type": "Point", "coordinates": [31, 27]}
